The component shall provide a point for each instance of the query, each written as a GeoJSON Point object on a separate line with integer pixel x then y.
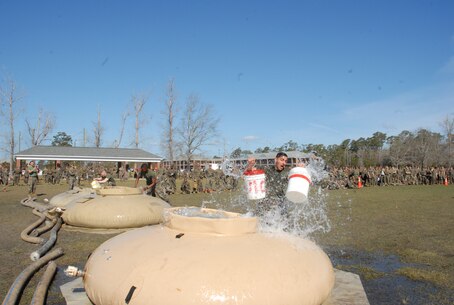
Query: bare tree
{"type": "Point", "coordinates": [98, 130]}
{"type": "Point", "coordinates": [448, 128]}
{"type": "Point", "coordinates": [138, 102]}
{"type": "Point", "coordinates": [43, 126]}
{"type": "Point", "coordinates": [124, 117]}
{"type": "Point", "coordinates": [198, 127]}
{"type": "Point", "coordinates": [168, 141]}
{"type": "Point", "coordinates": [426, 147]}
{"type": "Point", "coordinates": [400, 148]}
{"type": "Point", "coordinates": [9, 100]}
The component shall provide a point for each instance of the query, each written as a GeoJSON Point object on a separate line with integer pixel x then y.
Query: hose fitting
{"type": "Point", "coordinates": [73, 271]}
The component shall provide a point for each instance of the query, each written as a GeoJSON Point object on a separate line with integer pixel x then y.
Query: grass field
{"type": "Point", "coordinates": [400, 240]}
{"type": "Point", "coordinates": [408, 234]}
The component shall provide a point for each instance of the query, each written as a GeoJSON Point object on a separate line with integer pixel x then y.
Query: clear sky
{"type": "Point", "coordinates": [309, 71]}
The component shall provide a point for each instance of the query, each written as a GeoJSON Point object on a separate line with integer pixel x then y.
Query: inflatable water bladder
{"type": "Point", "coordinates": [63, 199]}
{"type": "Point", "coordinates": [203, 256]}
{"type": "Point", "coordinates": [115, 207]}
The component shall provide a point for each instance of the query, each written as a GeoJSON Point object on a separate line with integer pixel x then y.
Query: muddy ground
{"type": "Point", "coordinates": [400, 240]}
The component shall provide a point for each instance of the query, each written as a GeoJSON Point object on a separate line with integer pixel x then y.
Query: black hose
{"type": "Point", "coordinates": [34, 256]}
{"type": "Point", "coordinates": [17, 287]}
{"type": "Point", "coordinates": [39, 297]}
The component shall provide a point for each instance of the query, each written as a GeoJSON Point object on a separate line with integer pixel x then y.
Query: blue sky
{"type": "Point", "coordinates": [308, 71]}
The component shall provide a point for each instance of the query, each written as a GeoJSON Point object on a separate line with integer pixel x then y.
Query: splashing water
{"type": "Point", "coordinates": [299, 219]}
{"type": "Point", "coordinates": [304, 219]}
{"type": "Point", "coordinates": [200, 212]}
{"type": "Point", "coordinates": [316, 168]}
{"type": "Point", "coordinates": [229, 169]}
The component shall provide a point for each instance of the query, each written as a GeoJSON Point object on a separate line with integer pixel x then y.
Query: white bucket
{"type": "Point", "coordinates": [95, 184]}
{"type": "Point", "coordinates": [298, 184]}
{"type": "Point", "coordinates": [254, 183]}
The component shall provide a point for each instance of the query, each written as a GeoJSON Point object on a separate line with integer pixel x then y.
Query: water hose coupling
{"type": "Point", "coordinates": [72, 271]}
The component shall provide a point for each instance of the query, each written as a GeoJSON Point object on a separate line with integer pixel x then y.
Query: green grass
{"type": "Point", "coordinates": [416, 274]}
{"type": "Point", "coordinates": [414, 222]}
{"type": "Point", "coordinates": [366, 273]}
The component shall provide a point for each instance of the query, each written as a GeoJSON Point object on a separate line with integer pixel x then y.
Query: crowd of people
{"type": "Point", "coordinates": [163, 182]}
{"type": "Point", "coordinates": [349, 177]}
{"type": "Point", "coordinates": [31, 174]}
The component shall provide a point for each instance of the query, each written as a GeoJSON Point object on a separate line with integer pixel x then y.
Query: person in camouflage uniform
{"type": "Point", "coordinates": [185, 186]}
{"type": "Point", "coordinates": [26, 175]}
{"type": "Point", "coordinates": [58, 173]}
{"type": "Point", "coordinates": [172, 175]}
{"type": "Point", "coordinates": [1, 174]}
{"type": "Point", "coordinates": [276, 180]}
{"type": "Point", "coordinates": [122, 173]}
{"type": "Point", "coordinates": [165, 186]}
{"type": "Point", "coordinates": [17, 174]}
{"type": "Point", "coordinates": [150, 177]}
{"type": "Point", "coordinates": [199, 181]}
{"type": "Point", "coordinates": [79, 175]}
{"type": "Point", "coordinates": [161, 191]}
{"type": "Point", "coordinates": [219, 180]}
{"type": "Point", "coordinates": [71, 176]}
{"type": "Point", "coordinates": [48, 176]}
{"type": "Point", "coordinates": [5, 175]}
{"type": "Point", "coordinates": [210, 177]}
{"type": "Point", "coordinates": [33, 179]}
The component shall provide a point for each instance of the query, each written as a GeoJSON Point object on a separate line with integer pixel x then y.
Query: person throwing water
{"type": "Point", "coordinates": [276, 180]}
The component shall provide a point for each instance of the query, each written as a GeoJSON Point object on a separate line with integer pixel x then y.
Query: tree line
{"type": "Point", "coordinates": [420, 148]}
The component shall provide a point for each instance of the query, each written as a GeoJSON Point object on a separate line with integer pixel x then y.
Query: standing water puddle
{"type": "Point", "coordinates": [381, 282]}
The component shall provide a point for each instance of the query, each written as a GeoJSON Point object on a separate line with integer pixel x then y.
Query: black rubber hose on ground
{"type": "Point", "coordinates": [39, 297]}
{"type": "Point", "coordinates": [24, 234]}
{"type": "Point", "coordinates": [34, 256]}
{"type": "Point", "coordinates": [17, 287]}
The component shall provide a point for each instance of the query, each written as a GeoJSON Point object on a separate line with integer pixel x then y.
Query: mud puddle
{"type": "Point", "coordinates": [382, 284]}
